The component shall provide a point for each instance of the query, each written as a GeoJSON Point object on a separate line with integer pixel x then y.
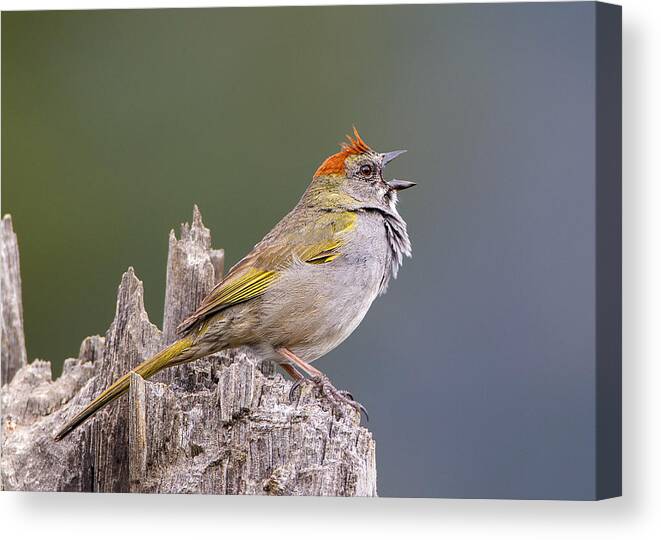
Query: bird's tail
{"type": "Point", "coordinates": [177, 353]}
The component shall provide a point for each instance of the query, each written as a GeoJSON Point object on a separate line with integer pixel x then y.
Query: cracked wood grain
{"type": "Point", "coordinates": [220, 425]}
{"type": "Point", "coordinates": [13, 355]}
{"type": "Point", "coordinates": [137, 432]}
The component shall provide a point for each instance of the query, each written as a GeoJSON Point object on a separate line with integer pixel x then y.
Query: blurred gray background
{"type": "Point", "coordinates": [477, 367]}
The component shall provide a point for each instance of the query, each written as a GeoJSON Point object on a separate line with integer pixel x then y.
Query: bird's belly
{"type": "Point", "coordinates": [312, 308]}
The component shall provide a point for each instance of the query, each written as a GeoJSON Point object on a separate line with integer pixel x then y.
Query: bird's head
{"type": "Point", "coordinates": [356, 171]}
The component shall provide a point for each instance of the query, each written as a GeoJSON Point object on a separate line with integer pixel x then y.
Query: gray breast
{"type": "Point", "coordinates": [312, 308]}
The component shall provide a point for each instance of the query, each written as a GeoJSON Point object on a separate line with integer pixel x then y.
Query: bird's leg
{"type": "Point", "coordinates": [292, 371]}
{"type": "Point", "coordinates": [321, 381]}
{"type": "Point", "coordinates": [295, 375]}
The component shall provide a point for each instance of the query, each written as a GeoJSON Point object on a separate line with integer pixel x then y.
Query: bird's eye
{"type": "Point", "coordinates": [366, 170]}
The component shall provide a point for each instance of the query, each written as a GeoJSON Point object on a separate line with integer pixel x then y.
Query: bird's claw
{"type": "Point", "coordinates": [333, 395]}
{"type": "Point", "coordinates": [337, 397]}
{"type": "Point", "coordinates": [293, 389]}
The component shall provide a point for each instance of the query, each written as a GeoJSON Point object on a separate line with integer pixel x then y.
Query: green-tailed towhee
{"type": "Point", "coordinates": [307, 285]}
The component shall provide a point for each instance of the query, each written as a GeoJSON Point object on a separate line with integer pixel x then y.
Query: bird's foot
{"type": "Point", "coordinates": [337, 398]}
{"type": "Point", "coordinates": [295, 386]}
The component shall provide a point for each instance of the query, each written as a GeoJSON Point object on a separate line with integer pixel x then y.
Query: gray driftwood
{"type": "Point", "coordinates": [223, 424]}
{"type": "Point", "coordinates": [14, 356]}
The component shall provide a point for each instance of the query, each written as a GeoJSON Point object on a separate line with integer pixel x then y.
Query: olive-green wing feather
{"type": "Point", "coordinates": [237, 287]}
{"type": "Point", "coordinates": [316, 242]}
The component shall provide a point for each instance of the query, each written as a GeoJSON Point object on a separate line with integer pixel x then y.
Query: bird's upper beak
{"type": "Point", "coordinates": [389, 156]}
{"type": "Point", "coordinates": [399, 185]}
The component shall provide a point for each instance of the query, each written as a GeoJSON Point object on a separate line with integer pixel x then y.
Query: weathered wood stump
{"type": "Point", "coordinates": [13, 355]}
{"type": "Point", "coordinates": [223, 424]}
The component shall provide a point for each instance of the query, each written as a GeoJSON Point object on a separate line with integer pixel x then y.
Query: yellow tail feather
{"type": "Point", "coordinates": [170, 356]}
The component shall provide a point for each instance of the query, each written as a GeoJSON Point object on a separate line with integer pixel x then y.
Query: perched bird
{"type": "Point", "coordinates": [307, 285]}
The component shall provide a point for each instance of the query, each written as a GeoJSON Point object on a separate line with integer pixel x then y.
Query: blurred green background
{"type": "Point", "coordinates": [116, 122]}
{"type": "Point", "coordinates": [477, 367]}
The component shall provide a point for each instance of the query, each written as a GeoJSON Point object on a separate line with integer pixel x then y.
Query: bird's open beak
{"type": "Point", "coordinates": [389, 156]}
{"type": "Point", "coordinates": [399, 185]}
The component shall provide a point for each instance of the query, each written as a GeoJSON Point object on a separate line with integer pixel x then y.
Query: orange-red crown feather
{"type": "Point", "coordinates": [335, 163]}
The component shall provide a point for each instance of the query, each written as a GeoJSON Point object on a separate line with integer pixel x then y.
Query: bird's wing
{"type": "Point", "coordinates": [316, 241]}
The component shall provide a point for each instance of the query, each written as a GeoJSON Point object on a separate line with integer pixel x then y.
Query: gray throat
{"type": "Point", "coordinates": [399, 244]}
{"type": "Point", "coordinates": [397, 238]}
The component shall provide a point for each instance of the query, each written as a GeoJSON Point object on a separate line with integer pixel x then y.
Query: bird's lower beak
{"type": "Point", "coordinates": [399, 185]}
{"type": "Point", "coordinates": [389, 156]}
